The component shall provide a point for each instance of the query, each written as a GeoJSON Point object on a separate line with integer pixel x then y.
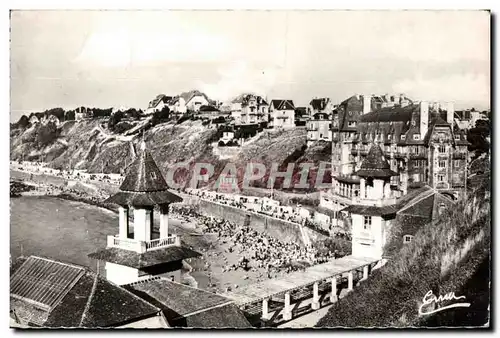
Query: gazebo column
{"type": "Point", "coordinates": [123, 222]}
{"type": "Point", "coordinates": [362, 188]}
{"type": "Point", "coordinates": [164, 221]}
{"type": "Point", "coordinates": [265, 309]}
{"type": "Point", "coordinates": [287, 312]}
{"type": "Point", "coordinates": [333, 295]}
{"type": "Point", "coordinates": [142, 224]}
{"type": "Point", "coordinates": [350, 278]}
{"type": "Point", "coordinates": [315, 300]}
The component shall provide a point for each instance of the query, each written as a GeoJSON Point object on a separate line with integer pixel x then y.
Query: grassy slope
{"type": "Point", "coordinates": [451, 255]}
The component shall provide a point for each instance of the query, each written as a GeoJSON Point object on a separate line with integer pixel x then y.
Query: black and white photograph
{"type": "Point", "coordinates": [250, 169]}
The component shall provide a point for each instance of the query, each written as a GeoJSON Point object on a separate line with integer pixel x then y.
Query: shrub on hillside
{"type": "Point", "coordinates": [122, 127]}
{"type": "Point", "coordinates": [47, 134]}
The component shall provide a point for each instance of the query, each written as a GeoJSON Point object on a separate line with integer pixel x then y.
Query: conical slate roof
{"type": "Point", "coordinates": [144, 175]}
{"type": "Point", "coordinates": [144, 184]}
{"type": "Point", "coordinates": [375, 164]}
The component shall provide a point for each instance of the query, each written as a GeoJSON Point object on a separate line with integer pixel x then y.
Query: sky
{"type": "Point", "coordinates": [125, 58]}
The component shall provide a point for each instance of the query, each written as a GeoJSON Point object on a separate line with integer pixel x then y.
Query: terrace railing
{"type": "Point", "coordinates": [143, 246]}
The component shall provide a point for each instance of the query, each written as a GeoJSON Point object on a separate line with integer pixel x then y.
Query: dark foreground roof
{"type": "Point", "coordinates": [108, 306]}
{"type": "Point", "coordinates": [144, 260]}
{"type": "Point", "coordinates": [186, 306]}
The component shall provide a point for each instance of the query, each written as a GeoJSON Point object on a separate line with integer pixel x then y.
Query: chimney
{"type": "Point", "coordinates": [450, 112]}
{"type": "Point", "coordinates": [424, 118]}
{"type": "Point", "coordinates": [367, 100]}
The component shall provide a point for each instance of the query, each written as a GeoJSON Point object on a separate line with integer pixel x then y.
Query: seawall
{"type": "Point", "coordinates": [277, 228]}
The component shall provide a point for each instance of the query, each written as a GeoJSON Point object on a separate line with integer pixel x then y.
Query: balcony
{"type": "Point", "coordinates": [143, 246]}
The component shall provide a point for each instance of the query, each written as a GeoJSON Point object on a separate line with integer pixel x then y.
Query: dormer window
{"type": "Point", "coordinates": [416, 137]}
{"type": "Point", "coordinates": [407, 239]}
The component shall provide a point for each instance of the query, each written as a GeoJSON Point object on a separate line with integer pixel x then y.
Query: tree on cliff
{"type": "Point", "coordinates": [160, 116]}
{"type": "Point", "coordinates": [69, 116]}
{"type": "Point", "coordinates": [23, 122]}
{"type": "Point", "coordinates": [477, 137]}
{"type": "Point", "coordinates": [57, 112]}
{"type": "Point", "coordinates": [47, 133]}
{"type": "Point", "coordinates": [115, 119]}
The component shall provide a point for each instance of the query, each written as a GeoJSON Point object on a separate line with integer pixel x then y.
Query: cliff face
{"type": "Point", "coordinates": [89, 145]}
{"type": "Point", "coordinates": [449, 255]}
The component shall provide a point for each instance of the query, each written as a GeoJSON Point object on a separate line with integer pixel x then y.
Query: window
{"type": "Point", "coordinates": [407, 239]}
{"type": "Point", "coordinates": [457, 163]}
{"type": "Point", "coordinates": [440, 178]}
{"type": "Point", "coordinates": [442, 149]}
{"type": "Point", "coordinates": [457, 137]}
{"type": "Point", "coordinates": [367, 222]}
{"type": "Point", "coordinates": [442, 164]}
{"type": "Point", "coordinates": [389, 137]}
{"type": "Point", "coordinates": [416, 137]}
{"type": "Point", "coordinates": [403, 137]}
{"type": "Point", "coordinates": [416, 164]}
{"type": "Point", "coordinates": [351, 124]}
{"type": "Point", "coordinates": [335, 134]}
{"type": "Point", "coordinates": [413, 123]}
{"type": "Point", "coordinates": [153, 175]}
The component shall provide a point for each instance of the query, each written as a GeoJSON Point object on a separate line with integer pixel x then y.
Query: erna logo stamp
{"type": "Point", "coordinates": [430, 299]}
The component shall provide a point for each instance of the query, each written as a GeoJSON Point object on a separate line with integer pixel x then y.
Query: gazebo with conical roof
{"type": "Point", "coordinates": [132, 256]}
{"type": "Point", "coordinates": [375, 173]}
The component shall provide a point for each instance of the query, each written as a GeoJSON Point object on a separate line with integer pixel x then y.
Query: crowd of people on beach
{"type": "Point", "coordinates": [272, 208]}
{"type": "Point", "coordinates": [257, 250]}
